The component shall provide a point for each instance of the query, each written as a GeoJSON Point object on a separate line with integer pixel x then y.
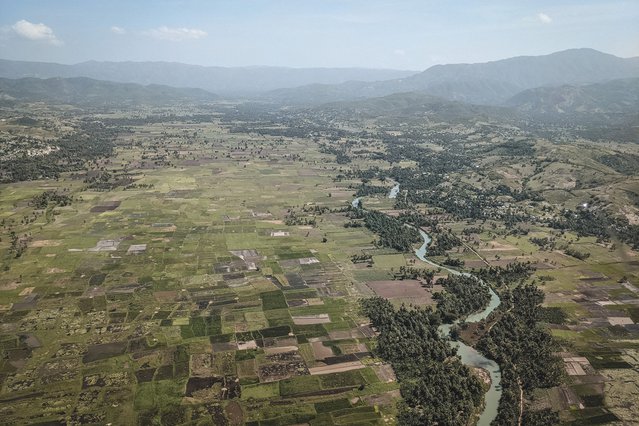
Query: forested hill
{"type": "Point", "coordinates": [612, 105]}
{"type": "Point", "coordinates": [616, 97]}
{"type": "Point", "coordinates": [86, 91]}
{"type": "Point", "coordinates": [414, 105]}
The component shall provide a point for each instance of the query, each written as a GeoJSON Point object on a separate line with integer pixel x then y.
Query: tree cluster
{"type": "Point", "coordinates": [437, 389]}
{"type": "Point", "coordinates": [410, 273]}
{"type": "Point", "coordinates": [48, 198]}
{"type": "Point", "coordinates": [512, 273]}
{"type": "Point", "coordinates": [392, 232]}
{"type": "Point", "coordinates": [92, 140]}
{"type": "Point", "coordinates": [523, 349]}
{"type": "Point", "coordinates": [463, 295]}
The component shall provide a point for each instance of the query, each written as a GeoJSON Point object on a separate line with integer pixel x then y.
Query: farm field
{"type": "Point", "coordinates": [210, 270]}
{"type": "Point", "coordinates": [186, 298]}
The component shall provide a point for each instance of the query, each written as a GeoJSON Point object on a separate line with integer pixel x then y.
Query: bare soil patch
{"type": "Point", "coordinates": [234, 413]}
{"type": "Point", "coordinates": [496, 246]}
{"type": "Point", "coordinates": [45, 243]}
{"type": "Point", "coordinates": [280, 234]}
{"type": "Point", "coordinates": [620, 321]}
{"type": "Point", "coordinates": [336, 368]}
{"type": "Point", "coordinates": [320, 351]}
{"type": "Point", "coordinates": [26, 291]}
{"type": "Point", "coordinates": [386, 398]}
{"type": "Point", "coordinates": [280, 350]}
{"type": "Point", "coordinates": [252, 344]}
{"type": "Point", "coordinates": [385, 373]}
{"type": "Point", "coordinates": [106, 206]}
{"type": "Point", "coordinates": [311, 319]}
{"type": "Point", "coordinates": [163, 227]}
{"type": "Point", "coordinates": [165, 296]}
{"type": "Point", "coordinates": [103, 351]}
{"type": "Point", "coordinates": [136, 248]}
{"type": "Point", "coordinates": [106, 245]}
{"type": "Point", "coordinates": [10, 286]}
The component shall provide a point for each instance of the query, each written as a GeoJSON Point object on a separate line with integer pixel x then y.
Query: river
{"type": "Point", "coordinates": [468, 355]}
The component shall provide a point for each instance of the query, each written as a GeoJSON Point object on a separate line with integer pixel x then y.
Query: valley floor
{"type": "Point", "coordinates": [203, 276]}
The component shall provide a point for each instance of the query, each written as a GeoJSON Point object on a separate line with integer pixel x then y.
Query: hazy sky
{"type": "Point", "coordinates": [399, 34]}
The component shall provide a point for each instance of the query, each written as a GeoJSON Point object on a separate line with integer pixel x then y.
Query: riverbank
{"type": "Point", "coordinates": [467, 354]}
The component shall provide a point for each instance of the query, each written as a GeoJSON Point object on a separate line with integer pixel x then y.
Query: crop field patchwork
{"type": "Point", "coordinates": [210, 269]}
{"type": "Point", "coordinates": [186, 297]}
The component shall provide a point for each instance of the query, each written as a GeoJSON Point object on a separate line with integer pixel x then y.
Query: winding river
{"type": "Point", "coordinates": [469, 355]}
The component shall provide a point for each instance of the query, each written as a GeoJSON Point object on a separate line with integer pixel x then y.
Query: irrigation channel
{"type": "Point", "coordinates": [469, 355]}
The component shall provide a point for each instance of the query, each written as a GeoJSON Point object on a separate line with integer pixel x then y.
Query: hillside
{"type": "Point", "coordinates": [412, 105]}
{"type": "Point", "coordinates": [616, 97]}
{"type": "Point", "coordinates": [86, 91]}
{"type": "Point", "coordinates": [601, 111]}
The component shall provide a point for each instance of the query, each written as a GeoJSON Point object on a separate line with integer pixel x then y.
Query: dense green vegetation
{"type": "Point", "coordinates": [627, 164]}
{"type": "Point", "coordinates": [436, 388]}
{"type": "Point", "coordinates": [570, 251]}
{"type": "Point", "coordinates": [392, 232]}
{"type": "Point", "coordinates": [91, 141]}
{"type": "Point", "coordinates": [498, 276]}
{"type": "Point", "coordinates": [442, 241]}
{"type": "Point", "coordinates": [365, 190]}
{"type": "Point", "coordinates": [464, 295]}
{"type": "Point", "coordinates": [597, 223]}
{"type": "Point", "coordinates": [411, 273]}
{"type": "Point", "coordinates": [48, 198]}
{"type": "Point", "coordinates": [545, 417]}
{"type": "Point", "coordinates": [523, 348]}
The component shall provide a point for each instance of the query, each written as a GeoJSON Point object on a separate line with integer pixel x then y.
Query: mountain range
{"type": "Point", "coordinates": [490, 83]}
{"type": "Point", "coordinates": [87, 91]}
{"type": "Point", "coordinates": [614, 102]}
{"type": "Point", "coordinates": [577, 81]}
{"type": "Point", "coordinates": [221, 80]}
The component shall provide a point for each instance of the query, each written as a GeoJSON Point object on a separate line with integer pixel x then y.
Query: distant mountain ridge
{"type": "Point", "coordinates": [221, 80]}
{"type": "Point", "coordinates": [612, 97]}
{"type": "Point", "coordinates": [616, 98]}
{"type": "Point", "coordinates": [87, 91]}
{"type": "Point", "coordinates": [489, 83]}
{"type": "Point", "coordinates": [413, 106]}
